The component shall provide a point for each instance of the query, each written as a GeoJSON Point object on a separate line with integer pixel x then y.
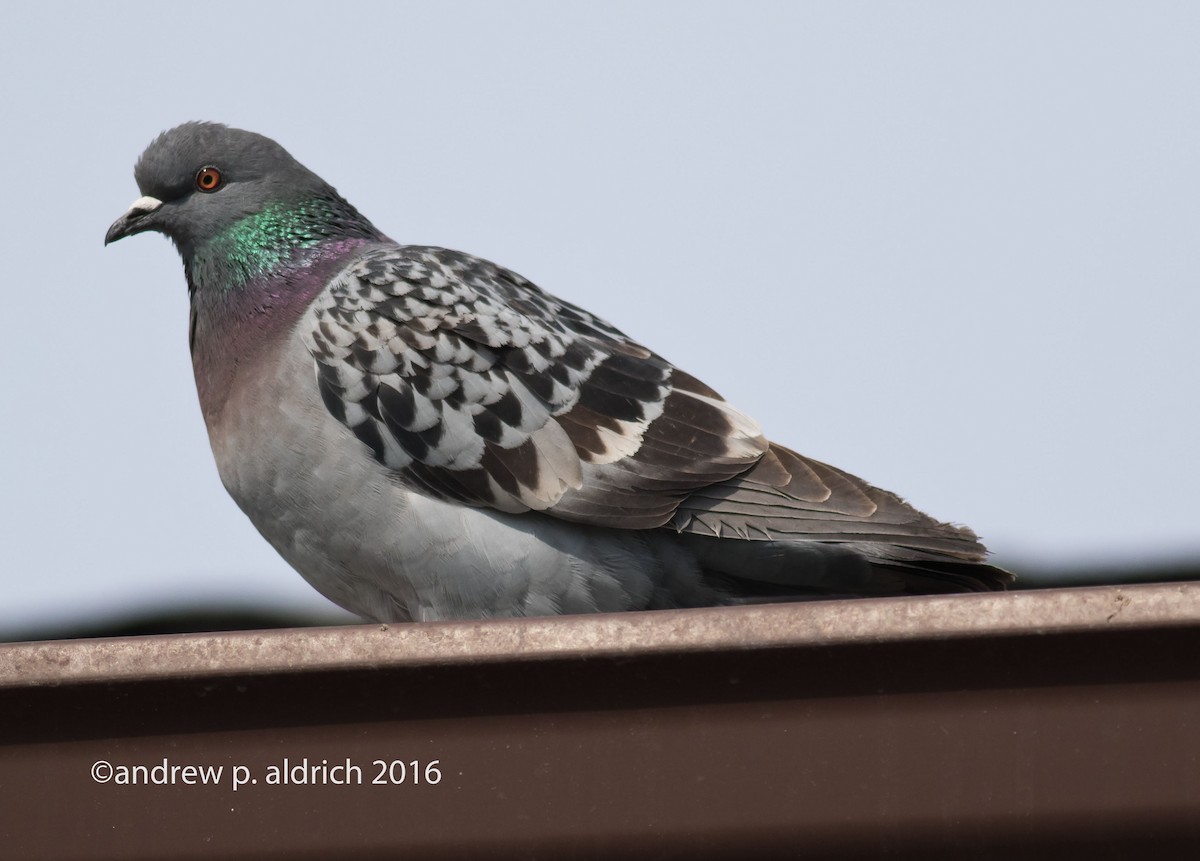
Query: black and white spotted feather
{"type": "Point", "coordinates": [472, 385]}
{"type": "Point", "coordinates": [475, 386]}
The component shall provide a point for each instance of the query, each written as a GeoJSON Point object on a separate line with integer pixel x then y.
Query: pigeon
{"type": "Point", "coordinates": [425, 435]}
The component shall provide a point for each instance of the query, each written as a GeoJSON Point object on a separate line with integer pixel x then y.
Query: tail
{"type": "Point", "coordinates": [797, 570]}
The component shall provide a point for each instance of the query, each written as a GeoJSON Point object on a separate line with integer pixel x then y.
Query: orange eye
{"type": "Point", "coordinates": [208, 179]}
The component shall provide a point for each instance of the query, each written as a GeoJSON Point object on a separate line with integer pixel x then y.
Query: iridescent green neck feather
{"type": "Point", "coordinates": [272, 240]}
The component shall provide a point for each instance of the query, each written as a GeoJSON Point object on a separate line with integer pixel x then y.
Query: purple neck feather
{"type": "Point", "coordinates": [232, 330]}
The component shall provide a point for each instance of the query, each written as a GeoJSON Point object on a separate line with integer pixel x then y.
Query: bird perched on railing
{"type": "Point", "coordinates": [424, 434]}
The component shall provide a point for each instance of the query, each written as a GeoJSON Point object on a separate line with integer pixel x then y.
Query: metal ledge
{"type": "Point", "coordinates": [985, 726]}
{"type": "Point", "coordinates": [768, 626]}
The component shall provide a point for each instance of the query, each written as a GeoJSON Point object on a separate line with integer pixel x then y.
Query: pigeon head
{"type": "Point", "coordinates": [235, 203]}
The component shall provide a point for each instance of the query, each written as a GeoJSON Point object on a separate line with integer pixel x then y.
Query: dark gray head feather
{"type": "Point", "coordinates": [255, 172]}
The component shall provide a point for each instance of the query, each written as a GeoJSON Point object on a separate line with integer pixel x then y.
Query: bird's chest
{"type": "Point", "coordinates": [305, 482]}
{"type": "Point", "coordinates": [277, 449]}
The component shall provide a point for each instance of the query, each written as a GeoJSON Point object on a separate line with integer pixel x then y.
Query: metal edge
{"type": "Point", "coordinates": [768, 626]}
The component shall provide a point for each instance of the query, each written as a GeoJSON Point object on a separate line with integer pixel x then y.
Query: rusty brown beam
{"type": "Point", "coordinates": [961, 726]}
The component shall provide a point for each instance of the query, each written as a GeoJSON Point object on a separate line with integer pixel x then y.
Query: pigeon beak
{"type": "Point", "coordinates": [133, 221]}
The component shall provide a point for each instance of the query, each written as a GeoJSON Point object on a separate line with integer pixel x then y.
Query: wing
{"type": "Point", "coordinates": [473, 385]}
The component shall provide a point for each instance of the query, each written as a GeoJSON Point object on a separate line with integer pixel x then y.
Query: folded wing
{"type": "Point", "coordinates": [473, 385]}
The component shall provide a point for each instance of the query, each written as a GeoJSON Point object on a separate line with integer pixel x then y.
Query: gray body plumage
{"type": "Point", "coordinates": [426, 435]}
{"type": "Point", "coordinates": [368, 542]}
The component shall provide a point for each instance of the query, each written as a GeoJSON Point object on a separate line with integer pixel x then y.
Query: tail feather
{"type": "Point", "coordinates": [757, 571]}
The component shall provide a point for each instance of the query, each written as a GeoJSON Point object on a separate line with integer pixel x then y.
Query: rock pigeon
{"type": "Point", "coordinates": [426, 435]}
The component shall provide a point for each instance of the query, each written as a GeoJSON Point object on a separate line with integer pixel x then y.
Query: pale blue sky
{"type": "Point", "coordinates": [948, 247]}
